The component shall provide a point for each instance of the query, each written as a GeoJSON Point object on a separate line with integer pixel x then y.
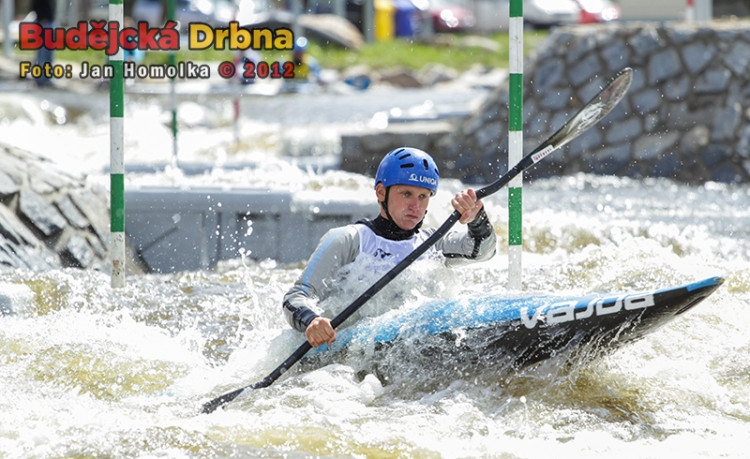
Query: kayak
{"type": "Point", "coordinates": [511, 332]}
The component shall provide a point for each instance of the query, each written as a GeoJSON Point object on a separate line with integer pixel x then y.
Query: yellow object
{"type": "Point", "coordinates": [385, 23]}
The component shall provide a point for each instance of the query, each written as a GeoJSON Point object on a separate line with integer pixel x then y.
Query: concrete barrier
{"type": "Point", "coordinates": [174, 229]}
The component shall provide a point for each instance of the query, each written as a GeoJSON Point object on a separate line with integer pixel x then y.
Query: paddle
{"type": "Point", "coordinates": [593, 112]}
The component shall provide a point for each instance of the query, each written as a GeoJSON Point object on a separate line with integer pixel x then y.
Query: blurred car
{"type": "Point", "coordinates": [543, 14]}
{"type": "Point", "coordinates": [215, 13]}
{"type": "Point", "coordinates": [594, 11]}
{"type": "Point", "coordinates": [451, 16]}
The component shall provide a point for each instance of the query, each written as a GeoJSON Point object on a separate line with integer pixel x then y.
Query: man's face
{"type": "Point", "coordinates": [407, 204]}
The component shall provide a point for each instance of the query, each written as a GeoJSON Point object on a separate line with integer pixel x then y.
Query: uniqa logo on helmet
{"type": "Point", "coordinates": [423, 179]}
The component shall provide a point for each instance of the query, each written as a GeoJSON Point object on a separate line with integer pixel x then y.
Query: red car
{"type": "Point", "coordinates": [451, 16]}
{"type": "Point", "coordinates": [594, 11]}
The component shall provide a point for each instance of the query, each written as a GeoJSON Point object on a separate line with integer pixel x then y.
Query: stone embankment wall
{"type": "Point", "coordinates": [48, 218]}
{"type": "Point", "coordinates": [685, 117]}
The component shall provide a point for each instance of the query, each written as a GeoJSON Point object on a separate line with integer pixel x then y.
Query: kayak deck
{"type": "Point", "coordinates": [502, 332]}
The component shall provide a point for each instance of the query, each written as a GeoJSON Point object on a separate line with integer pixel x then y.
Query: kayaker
{"type": "Point", "coordinates": [404, 183]}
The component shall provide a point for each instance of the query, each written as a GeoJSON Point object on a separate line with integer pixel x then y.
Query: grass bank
{"type": "Point", "coordinates": [460, 52]}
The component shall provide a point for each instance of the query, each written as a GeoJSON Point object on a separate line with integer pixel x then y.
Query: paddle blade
{"type": "Point", "coordinates": [593, 112]}
{"type": "Point", "coordinates": [211, 406]}
{"type": "Point", "coordinates": [590, 114]}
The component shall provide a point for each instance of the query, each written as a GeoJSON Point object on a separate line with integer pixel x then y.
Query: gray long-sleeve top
{"type": "Point", "coordinates": [379, 238]}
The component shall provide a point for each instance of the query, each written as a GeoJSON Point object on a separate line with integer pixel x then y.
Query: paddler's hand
{"type": "Point", "coordinates": [320, 332]}
{"type": "Point", "coordinates": [467, 204]}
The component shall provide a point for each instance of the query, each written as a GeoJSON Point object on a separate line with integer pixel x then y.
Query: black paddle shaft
{"type": "Point", "coordinates": [593, 112]}
{"type": "Point", "coordinates": [342, 316]}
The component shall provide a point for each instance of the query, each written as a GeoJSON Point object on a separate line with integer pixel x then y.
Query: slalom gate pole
{"type": "Point", "coordinates": [236, 110]}
{"type": "Point", "coordinates": [116, 158]}
{"type": "Point", "coordinates": [515, 143]}
{"type": "Point", "coordinates": [237, 88]}
{"type": "Point", "coordinates": [690, 11]}
{"type": "Point", "coordinates": [173, 87]}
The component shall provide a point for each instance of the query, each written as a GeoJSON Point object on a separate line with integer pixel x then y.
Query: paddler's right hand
{"type": "Point", "coordinates": [320, 332]}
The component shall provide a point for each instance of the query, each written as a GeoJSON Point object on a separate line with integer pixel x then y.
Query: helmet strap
{"type": "Point", "coordinates": [384, 205]}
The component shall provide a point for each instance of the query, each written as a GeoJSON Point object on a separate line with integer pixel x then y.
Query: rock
{"type": "Point", "coordinates": [436, 74]}
{"type": "Point", "coordinates": [43, 216]}
{"type": "Point", "coordinates": [399, 77]}
{"type": "Point", "coordinates": [48, 218]}
{"type": "Point", "coordinates": [71, 212]}
{"type": "Point", "coordinates": [77, 253]}
{"type": "Point", "coordinates": [13, 230]}
{"type": "Point", "coordinates": [7, 186]}
{"type": "Point", "coordinates": [331, 29]}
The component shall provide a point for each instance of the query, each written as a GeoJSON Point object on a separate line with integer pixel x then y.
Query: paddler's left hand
{"type": "Point", "coordinates": [467, 204]}
{"type": "Point", "coordinates": [320, 332]}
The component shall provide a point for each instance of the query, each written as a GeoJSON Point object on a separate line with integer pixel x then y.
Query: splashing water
{"type": "Point", "coordinates": [86, 370]}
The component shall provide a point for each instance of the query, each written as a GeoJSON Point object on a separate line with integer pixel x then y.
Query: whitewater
{"type": "Point", "coordinates": [91, 371]}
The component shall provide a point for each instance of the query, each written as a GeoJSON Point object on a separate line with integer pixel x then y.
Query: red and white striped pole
{"type": "Point", "coordinates": [690, 11]}
{"type": "Point", "coordinates": [236, 104]}
{"type": "Point", "coordinates": [240, 68]}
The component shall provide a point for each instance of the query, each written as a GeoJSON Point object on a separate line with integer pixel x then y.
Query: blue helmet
{"type": "Point", "coordinates": [408, 166]}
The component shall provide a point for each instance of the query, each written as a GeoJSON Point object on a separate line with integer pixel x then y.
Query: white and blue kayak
{"type": "Point", "coordinates": [512, 332]}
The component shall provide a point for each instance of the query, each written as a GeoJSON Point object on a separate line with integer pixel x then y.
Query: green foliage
{"type": "Point", "coordinates": [455, 51]}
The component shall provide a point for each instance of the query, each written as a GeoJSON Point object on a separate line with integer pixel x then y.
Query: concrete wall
{"type": "Point", "coordinates": [174, 229]}
{"type": "Point", "coordinates": [661, 10]}
{"type": "Point", "coordinates": [50, 219]}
